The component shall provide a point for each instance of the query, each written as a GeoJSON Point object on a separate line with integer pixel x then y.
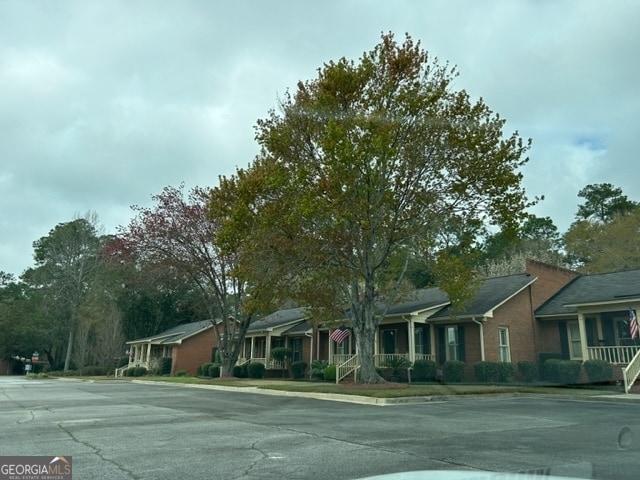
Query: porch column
{"type": "Point", "coordinates": [252, 347]}
{"type": "Point", "coordinates": [267, 349]}
{"type": "Point", "coordinates": [376, 340]}
{"type": "Point", "coordinates": [432, 341]}
{"type": "Point", "coordinates": [148, 352]}
{"type": "Point", "coordinates": [330, 349]}
{"type": "Point", "coordinates": [412, 340]}
{"type": "Point", "coordinates": [583, 337]}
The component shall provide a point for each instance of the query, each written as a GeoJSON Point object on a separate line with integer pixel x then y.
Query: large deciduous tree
{"type": "Point", "coordinates": [176, 235]}
{"type": "Point", "coordinates": [370, 159]}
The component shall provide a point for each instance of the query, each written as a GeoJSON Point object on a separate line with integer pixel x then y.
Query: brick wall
{"type": "Point", "coordinates": [550, 280]}
{"type": "Point", "coordinates": [516, 315]}
{"type": "Point", "coordinates": [193, 351]}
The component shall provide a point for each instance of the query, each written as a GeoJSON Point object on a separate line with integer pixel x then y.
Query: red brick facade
{"type": "Point", "coordinates": [192, 352]}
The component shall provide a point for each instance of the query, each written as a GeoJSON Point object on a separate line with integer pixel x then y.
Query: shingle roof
{"type": "Point", "coordinates": [176, 333]}
{"type": "Point", "coordinates": [279, 318]}
{"type": "Point", "coordinates": [490, 294]}
{"type": "Point", "coordinates": [603, 287]}
{"type": "Point", "coordinates": [298, 329]}
{"type": "Point", "coordinates": [420, 300]}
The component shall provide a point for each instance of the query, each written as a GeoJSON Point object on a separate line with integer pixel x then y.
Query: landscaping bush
{"type": "Point", "coordinates": [528, 371]}
{"type": "Point", "coordinates": [165, 366]}
{"type": "Point", "coordinates": [298, 369]}
{"type": "Point", "coordinates": [256, 370]}
{"type": "Point", "coordinates": [240, 371]}
{"type": "Point", "coordinates": [453, 371]}
{"type": "Point", "coordinates": [139, 371]}
{"type": "Point", "coordinates": [203, 370]}
{"type": "Point", "coordinates": [214, 371]}
{"type": "Point", "coordinates": [129, 372]}
{"type": "Point", "coordinates": [568, 372]}
{"type": "Point", "coordinates": [486, 371]}
{"type": "Point", "coordinates": [424, 371]}
{"type": "Point", "coordinates": [598, 371]}
{"type": "Point", "coordinates": [93, 371]}
{"type": "Point", "coordinates": [182, 373]}
{"type": "Point", "coordinates": [550, 370]}
{"type": "Point", "coordinates": [317, 368]}
{"type": "Point", "coordinates": [504, 372]}
{"type": "Point", "coordinates": [544, 356]}
{"type": "Point", "coordinates": [330, 373]}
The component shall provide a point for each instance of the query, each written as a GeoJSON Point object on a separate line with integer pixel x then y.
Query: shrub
{"type": "Point", "coordinates": [298, 369]}
{"type": "Point", "coordinates": [182, 373]}
{"type": "Point", "coordinates": [424, 371]}
{"type": "Point", "coordinates": [454, 371]}
{"type": "Point", "coordinates": [203, 370]}
{"type": "Point", "coordinates": [129, 372]}
{"type": "Point", "coordinates": [486, 371]}
{"type": "Point", "coordinates": [544, 356]}
{"type": "Point", "coordinates": [504, 372]}
{"type": "Point", "coordinates": [256, 370]}
{"type": "Point", "coordinates": [568, 372]}
{"type": "Point", "coordinates": [214, 371]}
{"type": "Point", "coordinates": [93, 371]}
{"type": "Point", "coordinates": [165, 366]}
{"type": "Point", "coordinates": [551, 369]}
{"type": "Point", "coordinates": [139, 371]}
{"type": "Point", "coordinates": [240, 371]}
{"type": "Point", "coordinates": [598, 371]}
{"type": "Point", "coordinates": [528, 370]}
{"type": "Point", "coordinates": [330, 373]}
{"type": "Point", "coordinates": [317, 368]}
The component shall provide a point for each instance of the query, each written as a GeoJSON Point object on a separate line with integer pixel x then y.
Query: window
{"type": "Point", "coordinates": [419, 341]}
{"type": "Point", "coordinates": [503, 344]}
{"type": "Point", "coordinates": [575, 346]}
{"type": "Point", "coordinates": [296, 349]}
{"type": "Point", "coordinates": [452, 343]}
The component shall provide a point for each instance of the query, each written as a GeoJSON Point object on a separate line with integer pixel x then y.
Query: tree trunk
{"type": "Point", "coordinates": [67, 359]}
{"type": "Point", "coordinates": [365, 338]}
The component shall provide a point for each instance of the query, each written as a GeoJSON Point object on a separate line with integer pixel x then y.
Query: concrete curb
{"type": "Point", "coordinates": [359, 399]}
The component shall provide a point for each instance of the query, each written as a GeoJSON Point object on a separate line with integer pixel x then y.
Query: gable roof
{"type": "Point", "coordinates": [278, 319]}
{"type": "Point", "coordinates": [491, 294]}
{"type": "Point", "coordinates": [419, 300]}
{"type": "Point", "coordinates": [176, 334]}
{"type": "Point", "coordinates": [602, 288]}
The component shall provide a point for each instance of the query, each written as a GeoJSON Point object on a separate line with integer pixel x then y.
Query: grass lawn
{"type": "Point", "coordinates": [385, 390]}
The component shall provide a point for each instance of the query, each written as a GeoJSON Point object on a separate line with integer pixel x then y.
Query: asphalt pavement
{"type": "Point", "coordinates": [145, 430]}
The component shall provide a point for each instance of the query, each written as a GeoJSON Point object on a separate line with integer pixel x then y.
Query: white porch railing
{"type": "Point", "coordinates": [382, 359]}
{"type": "Point", "coordinates": [136, 363]}
{"type": "Point", "coordinates": [346, 367]}
{"type": "Point", "coordinates": [615, 355]}
{"type": "Point", "coordinates": [424, 356]}
{"type": "Point", "coordinates": [630, 372]}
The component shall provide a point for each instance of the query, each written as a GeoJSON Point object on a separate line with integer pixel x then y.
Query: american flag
{"type": "Point", "coordinates": [633, 323]}
{"type": "Point", "coordinates": [339, 334]}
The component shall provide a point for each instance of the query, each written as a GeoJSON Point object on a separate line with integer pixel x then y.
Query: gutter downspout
{"type": "Point", "coordinates": [480, 324]}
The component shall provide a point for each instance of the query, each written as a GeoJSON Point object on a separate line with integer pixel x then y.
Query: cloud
{"type": "Point", "coordinates": [102, 104]}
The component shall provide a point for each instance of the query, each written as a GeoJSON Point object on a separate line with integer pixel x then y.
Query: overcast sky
{"type": "Point", "coordinates": [103, 103]}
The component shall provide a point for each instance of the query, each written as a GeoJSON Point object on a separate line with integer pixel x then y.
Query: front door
{"type": "Point", "coordinates": [388, 341]}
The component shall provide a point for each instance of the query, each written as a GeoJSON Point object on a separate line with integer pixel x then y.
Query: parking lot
{"type": "Point", "coordinates": [118, 429]}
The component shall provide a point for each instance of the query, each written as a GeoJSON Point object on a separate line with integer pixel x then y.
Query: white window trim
{"type": "Point", "coordinates": [504, 347]}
